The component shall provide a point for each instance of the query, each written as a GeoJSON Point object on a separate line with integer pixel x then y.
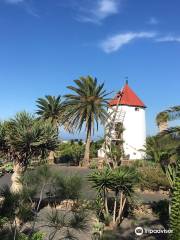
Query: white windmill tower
{"type": "Point", "coordinates": [128, 110]}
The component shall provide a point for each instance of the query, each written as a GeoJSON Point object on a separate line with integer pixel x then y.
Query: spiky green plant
{"type": "Point", "coordinates": [26, 137]}
{"type": "Point", "coordinates": [121, 182]}
{"type": "Point", "coordinates": [175, 207]}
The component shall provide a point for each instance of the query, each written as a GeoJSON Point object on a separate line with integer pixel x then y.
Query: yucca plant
{"type": "Point", "coordinates": [101, 180]}
{"type": "Point", "coordinates": [25, 138]}
{"type": "Point", "coordinates": [120, 181]}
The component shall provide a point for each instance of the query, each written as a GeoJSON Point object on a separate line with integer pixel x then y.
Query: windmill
{"type": "Point", "coordinates": [128, 111]}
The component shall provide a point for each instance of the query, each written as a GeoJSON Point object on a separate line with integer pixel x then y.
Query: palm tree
{"type": "Point", "coordinates": [171, 133]}
{"type": "Point", "coordinates": [162, 121]}
{"type": "Point", "coordinates": [163, 117]}
{"type": "Point", "coordinates": [50, 108]}
{"type": "Point", "coordinates": [26, 137]}
{"type": "Point", "coordinates": [86, 106]}
{"type": "Point", "coordinates": [157, 147]}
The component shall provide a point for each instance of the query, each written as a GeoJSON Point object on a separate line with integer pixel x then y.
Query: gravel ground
{"type": "Point", "coordinates": [81, 235]}
{"type": "Point", "coordinates": [87, 191]}
{"type": "Point", "coordinates": [127, 227]}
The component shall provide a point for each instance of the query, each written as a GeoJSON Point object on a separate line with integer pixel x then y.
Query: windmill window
{"type": "Point", "coordinates": [136, 109]}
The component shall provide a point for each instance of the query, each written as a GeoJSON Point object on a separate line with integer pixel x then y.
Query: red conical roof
{"type": "Point", "coordinates": [128, 97]}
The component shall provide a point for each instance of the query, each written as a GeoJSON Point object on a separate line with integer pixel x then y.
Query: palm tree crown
{"type": "Point", "coordinates": [50, 108]}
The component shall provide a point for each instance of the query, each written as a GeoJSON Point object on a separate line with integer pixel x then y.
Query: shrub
{"type": "Point", "coordinates": [9, 167]}
{"type": "Point", "coordinates": [95, 146]}
{"type": "Point", "coordinates": [153, 178]}
{"type": "Point", "coordinates": [93, 164]}
{"type": "Point", "coordinates": [67, 187]}
{"type": "Point", "coordinates": [35, 236]}
{"type": "Point", "coordinates": [71, 152]}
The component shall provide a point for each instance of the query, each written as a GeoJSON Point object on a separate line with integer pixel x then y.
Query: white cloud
{"type": "Point", "coordinates": [168, 38]}
{"type": "Point", "coordinates": [14, 1]}
{"type": "Point", "coordinates": [26, 5]}
{"type": "Point", "coordinates": [153, 21]}
{"type": "Point", "coordinates": [99, 10]}
{"type": "Point", "coordinates": [115, 42]}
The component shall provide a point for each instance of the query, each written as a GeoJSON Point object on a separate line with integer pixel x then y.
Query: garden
{"type": "Point", "coordinates": [52, 190]}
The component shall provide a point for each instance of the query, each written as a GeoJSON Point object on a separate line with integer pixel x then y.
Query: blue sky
{"type": "Point", "coordinates": [45, 44]}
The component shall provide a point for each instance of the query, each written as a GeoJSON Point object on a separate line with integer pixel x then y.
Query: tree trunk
{"type": "Point", "coordinates": [121, 208]}
{"type": "Point", "coordinates": [86, 159]}
{"type": "Point", "coordinates": [16, 185]}
{"type": "Point", "coordinates": [114, 211]}
{"type": "Point", "coordinates": [106, 201]}
{"type": "Point", "coordinates": [51, 157]}
{"type": "Point", "coordinates": [163, 126]}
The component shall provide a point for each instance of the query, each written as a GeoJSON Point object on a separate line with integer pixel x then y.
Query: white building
{"type": "Point", "coordinates": [130, 112]}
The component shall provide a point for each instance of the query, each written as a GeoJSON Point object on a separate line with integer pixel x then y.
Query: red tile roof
{"type": "Point", "coordinates": [128, 97]}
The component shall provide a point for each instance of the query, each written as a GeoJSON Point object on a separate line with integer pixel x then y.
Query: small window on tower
{"type": "Point", "coordinates": [136, 109]}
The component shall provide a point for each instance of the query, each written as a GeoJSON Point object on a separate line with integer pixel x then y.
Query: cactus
{"type": "Point", "coordinates": [175, 207]}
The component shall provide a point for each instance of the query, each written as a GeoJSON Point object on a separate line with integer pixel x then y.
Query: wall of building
{"type": "Point", "coordinates": [134, 135]}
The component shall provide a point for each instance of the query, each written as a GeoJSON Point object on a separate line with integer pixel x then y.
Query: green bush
{"type": "Point", "coordinates": [35, 236]}
{"type": "Point", "coordinates": [153, 178]}
{"type": "Point", "coordinates": [95, 146]}
{"type": "Point", "coordinates": [93, 164]}
{"type": "Point", "coordinates": [143, 163]}
{"type": "Point", "coordinates": [70, 152]}
{"type": "Point", "coordinates": [9, 167]}
{"type": "Point", "coordinates": [3, 221]}
{"type": "Point", "coordinates": [67, 187]}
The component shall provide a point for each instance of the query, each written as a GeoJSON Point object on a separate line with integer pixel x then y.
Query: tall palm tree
{"type": "Point", "coordinates": [86, 106]}
{"type": "Point", "coordinates": [50, 108]}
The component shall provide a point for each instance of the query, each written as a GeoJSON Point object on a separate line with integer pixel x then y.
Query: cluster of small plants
{"type": "Point", "coordinates": [42, 187]}
{"type": "Point", "coordinates": [5, 168]}
{"type": "Point", "coordinates": [153, 178]}
{"type": "Point", "coordinates": [70, 153]}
